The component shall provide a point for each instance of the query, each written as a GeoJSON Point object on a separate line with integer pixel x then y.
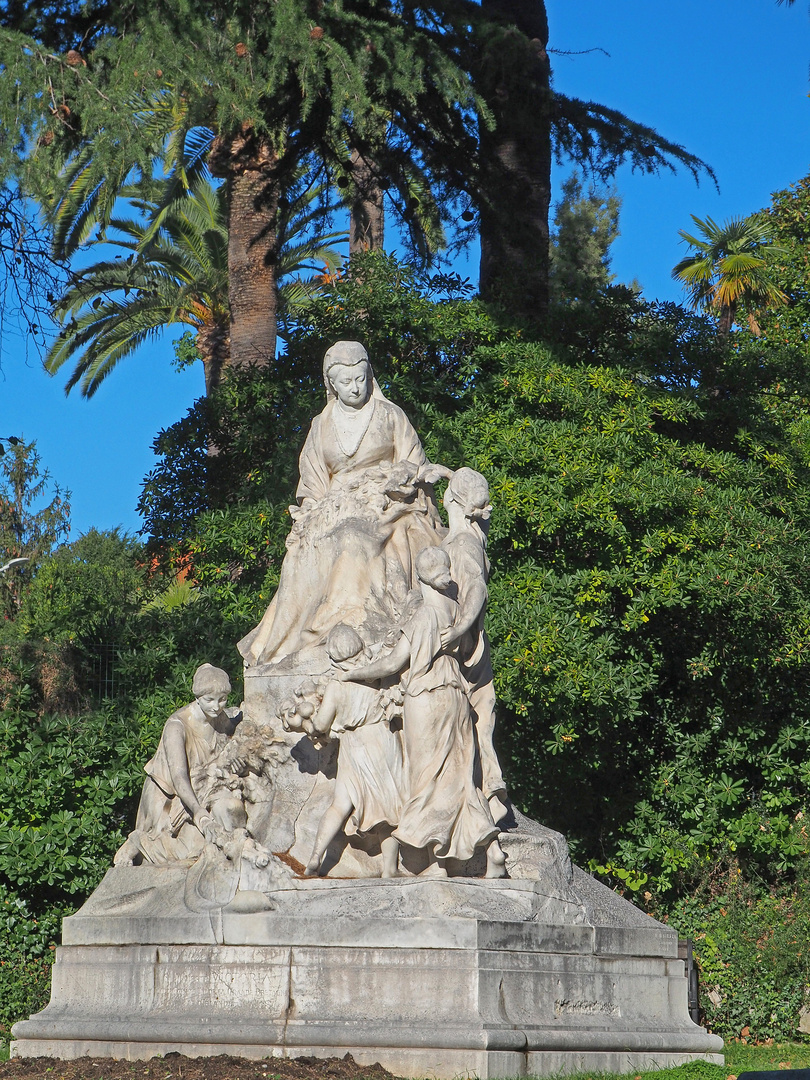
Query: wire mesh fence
{"type": "Point", "coordinates": [104, 671]}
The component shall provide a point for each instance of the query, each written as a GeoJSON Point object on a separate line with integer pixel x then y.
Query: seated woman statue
{"type": "Point", "coordinates": [366, 508]}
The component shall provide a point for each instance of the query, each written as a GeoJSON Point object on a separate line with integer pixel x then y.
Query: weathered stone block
{"type": "Point", "coordinates": [459, 993]}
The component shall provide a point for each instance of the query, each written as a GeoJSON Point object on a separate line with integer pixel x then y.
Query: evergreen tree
{"type": "Point", "coordinates": [275, 84]}
{"type": "Point", "coordinates": [371, 90]}
{"type": "Point", "coordinates": [34, 518]}
{"type": "Point", "coordinates": [585, 225]}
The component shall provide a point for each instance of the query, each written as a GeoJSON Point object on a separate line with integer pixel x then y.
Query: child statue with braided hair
{"type": "Point", "coordinates": [466, 501]}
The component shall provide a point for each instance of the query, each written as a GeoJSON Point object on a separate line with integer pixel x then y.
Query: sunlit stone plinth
{"type": "Point", "coordinates": [430, 978]}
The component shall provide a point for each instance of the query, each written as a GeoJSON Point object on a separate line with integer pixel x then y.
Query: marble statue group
{"type": "Point", "coordinates": [336, 868]}
{"type": "Point", "coordinates": [380, 608]}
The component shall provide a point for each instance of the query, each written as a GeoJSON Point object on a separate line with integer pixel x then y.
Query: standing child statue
{"type": "Point", "coordinates": [445, 814]}
{"type": "Point", "coordinates": [186, 800]}
{"type": "Point", "coordinates": [368, 792]}
{"type": "Point", "coordinates": [466, 501]}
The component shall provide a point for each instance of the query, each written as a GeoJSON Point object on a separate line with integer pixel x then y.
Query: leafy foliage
{"type": "Point", "coordinates": [729, 268]}
{"type": "Point", "coordinates": [179, 276]}
{"type": "Point", "coordinates": [646, 613]}
{"type": "Point", "coordinates": [753, 951]}
{"type": "Point", "coordinates": [787, 219]}
{"type": "Point", "coordinates": [72, 773]}
{"type": "Point", "coordinates": [84, 589]}
{"type": "Point", "coordinates": [58, 826]}
{"type": "Point", "coordinates": [26, 954]}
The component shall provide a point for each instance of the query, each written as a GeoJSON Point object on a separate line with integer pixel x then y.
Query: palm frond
{"type": "Point", "coordinates": [171, 266]}
{"type": "Point", "coordinates": [730, 266]}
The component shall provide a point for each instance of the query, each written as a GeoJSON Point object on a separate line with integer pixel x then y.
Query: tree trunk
{"type": "Point", "coordinates": [250, 166]}
{"type": "Point", "coordinates": [725, 320]}
{"type": "Point", "coordinates": [367, 211]}
{"type": "Point", "coordinates": [514, 76]}
{"type": "Point", "coordinates": [213, 345]}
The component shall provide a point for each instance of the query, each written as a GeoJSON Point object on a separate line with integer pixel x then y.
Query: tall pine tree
{"type": "Point", "coordinates": [457, 94]}
{"type": "Point", "coordinates": [277, 83]}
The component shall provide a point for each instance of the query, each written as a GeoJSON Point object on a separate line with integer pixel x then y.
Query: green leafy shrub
{"type": "Point", "coordinates": [753, 951]}
{"type": "Point", "coordinates": [26, 954]}
{"type": "Point", "coordinates": [85, 589]}
{"type": "Point", "coordinates": [649, 615]}
{"type": "Point", "coordinates": [64, 792]}
{"type": "Point", "coordinates": [66, 787]}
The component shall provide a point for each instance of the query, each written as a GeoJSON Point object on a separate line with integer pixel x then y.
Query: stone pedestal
{"type": "Point", "coordinates": [430, 978]}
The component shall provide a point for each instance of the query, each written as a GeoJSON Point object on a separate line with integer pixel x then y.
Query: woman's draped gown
{"type": "Point", "coordinates": [361, 522]}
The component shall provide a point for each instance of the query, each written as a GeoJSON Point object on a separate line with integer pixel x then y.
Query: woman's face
{"type": "Point", "coordinates": [212, 703]}
{"type": "Point", "coordinates": [351, 384]}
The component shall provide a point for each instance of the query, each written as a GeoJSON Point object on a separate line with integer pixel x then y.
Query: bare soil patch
{"type": "Point", "coordinates": [178, 1067]}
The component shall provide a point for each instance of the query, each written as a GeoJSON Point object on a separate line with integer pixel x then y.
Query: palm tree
{"type": "Point", "coordinates": [729, 268]}
{"type": "Point", "coordinates": [175, 271]}
{"type": "Point", "coordinates": [179, 276]}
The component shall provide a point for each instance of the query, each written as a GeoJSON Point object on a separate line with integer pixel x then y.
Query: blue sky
{"type": "Point", "coordinates": [728, 79]}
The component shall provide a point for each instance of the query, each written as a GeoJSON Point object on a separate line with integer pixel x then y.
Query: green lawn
{"type": "Point", "coordinates": [740, 1057]}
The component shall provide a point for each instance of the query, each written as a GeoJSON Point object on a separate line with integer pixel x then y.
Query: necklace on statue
{"type": "Point", "coordinates": [351, 425]}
